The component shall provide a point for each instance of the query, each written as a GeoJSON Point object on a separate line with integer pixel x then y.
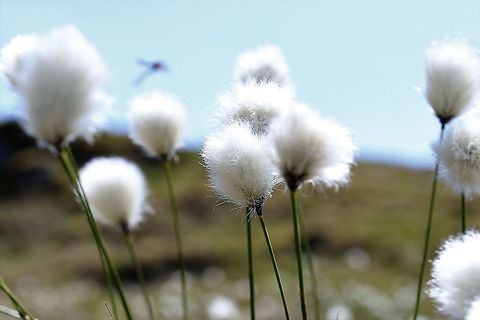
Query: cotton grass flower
{"type": "Point", "coordinates": [157, 123]}
{"type": "Point", "coordinates": [459, 154]}
{"type": "Point", "coordinates": [254, 103]}
{"type": "Point", "coordinates": [452, 71]}
{"type": "Point", "coordinates": [116, 190]}
{"type": "Point", "coordinates": [263, 64]}
{"type": "Point", "coordinates": [455, 282]}
{"type": "Point", "coordinates": [310, 149]}
{"type": "Point", "coordinates": [58, 77]}
{"type": "Point", "coordinates": [474, 310]}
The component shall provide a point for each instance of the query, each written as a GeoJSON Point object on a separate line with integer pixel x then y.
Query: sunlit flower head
{"type": "Point", "coordinates": [452, 71]}
{"type": "Point", "coordinates": [14, 57]}
{"type": "Point", "coordinates": [254, 103]}
{"type": "Point", "coordinates": [455, 282]}
{"type": "Point", "coordinates": [459, 154]}
{"type": "Point", "coordinates": [310, 149]}
{"type": "Point", "coordinates": [116, 190]}
{"type": "Point", "coordinates": [238, 166]}
{"type": "Point", "coordinates": [474, 310]}
{"type": "Point", "coordinates": [157, 122]}
{"type": "Point", "coordinates": [263, 64]}
{"type": "Point", "coordinates": [59, 78]}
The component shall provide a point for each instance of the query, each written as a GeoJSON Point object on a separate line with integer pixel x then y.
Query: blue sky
{"type": "Point", "coordinates": [356, 61]}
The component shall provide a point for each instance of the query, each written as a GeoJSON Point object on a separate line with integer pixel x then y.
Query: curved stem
{"type": "Point", "coordinates": [23, 312]}
{"type": "Point", "coordinates": [298, 251]}
{"type": "Point", "coordinates": [178, 236]}
{"type": "Point", "coordinates": [310, 265]}
{"type": "Point", "coordinates": [427, 234]}
{"type": "Point", "coordinates": [251, 278]}
{"type": "Point", "coordinates": [71, 169]}
{"type": "Point", "coordinates": [133, 256]}
{"type": "Point", "coordinates": [464, 222]}
{"type": "Point", "coordinates": [275, 266]}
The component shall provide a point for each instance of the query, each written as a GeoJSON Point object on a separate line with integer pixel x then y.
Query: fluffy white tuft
{"type": "Point", "coordinates": [238, 166]}
{"type": "Point", "coordinates": [455, 279]}
{"type": "Point", "coordinates": [263, 64]}
{"type": "Point", "coordinates": [116, 190]}
{"type": "Point", "coordinates": [14, 55]}
{"type": "Point", "coordinates": [309, 149]}
{"type": "Point", "coordinates": [60, 83]}
{"type": "Point", "coordinates": [459, 154]}
{"type": "Point", "coordinates": [254, 103]}
{"type": "Point", "coordinates": [453, 68]}
{"type": "Point", "coordinates": [474, 310]}
{"type": "Point", "coordinates": [157, 122]}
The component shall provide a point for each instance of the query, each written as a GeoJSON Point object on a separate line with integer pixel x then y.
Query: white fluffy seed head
{"type": "Point", "coordinates": [452, 71]}
{"type": "Point", "coordinates": [59, 82]}
{"type": "Point", "coordinates": [116, 190]}
{"type": "Point", "coordinates": [254, 103]}
{"type": "Point", "coordinates": [459, 154]}
{"type": "Point", "coordinates": [238, 166]}
{"type": "Point", "coordinates": [474, 310]}
{"type": "Point", "coordinates": [455, 282]}
{"type": "Point", "coordinates": [14, 56]}
{"type": "Point", "coordinates": [309, 149]}
{"type": "Point", "coordinates": [263, 64]}
{"type": "Point", "coordinates": [157, 122]}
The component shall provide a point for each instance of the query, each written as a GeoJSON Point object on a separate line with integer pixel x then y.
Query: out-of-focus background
{"type": "Point", "coordinates": [357, 61]}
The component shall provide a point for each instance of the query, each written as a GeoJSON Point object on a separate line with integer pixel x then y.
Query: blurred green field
{"type": "Point", "coordinates": [367, 240]}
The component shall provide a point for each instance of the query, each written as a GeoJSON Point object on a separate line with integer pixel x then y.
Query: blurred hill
{"type": "Point", "coordinates": [367, 239]}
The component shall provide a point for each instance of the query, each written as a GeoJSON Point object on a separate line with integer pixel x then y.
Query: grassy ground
{"type": "Point", "coordinates": [366, 238]}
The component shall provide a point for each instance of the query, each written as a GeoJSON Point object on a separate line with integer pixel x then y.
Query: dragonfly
{"type": "Point", "coordinates": [151, 67]}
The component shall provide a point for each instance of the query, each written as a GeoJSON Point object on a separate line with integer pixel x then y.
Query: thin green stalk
{"type": "Point", "coordinates": [71, 169]}
{"type": "Point", "coordinates": [22, 310]}
{"type": "Point", "coordinates": [112, 317]}
{"type": "Point", "coordinates": [275, 266]}
{"type": "Point", "coordinates": [178, 236]}
{"type": "Point", "coordinates": [298, 250]}
{"type": "Point", "coordinates": [310, 265]}
{"type": "Point", "coordinates": [133, 256]}
{"type": "Point", "coordinates": [251, 278]}
{"type": "Point", "coordinates": [464, 222]}
{"type": "Point", "coordinates": [427, 234]}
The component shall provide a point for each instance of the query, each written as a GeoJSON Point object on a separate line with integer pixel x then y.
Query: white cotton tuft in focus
{"type": "Point", "coordinates": [474, 310]}
{"type": "Point", "coordinates": [263, 64]}
{"type": "Point", "coordinates": [455, 282]}
{"type": "Point", "coordinates": [254, 103]}
{"type": "Point", "coordinates": [238, 166]}
{"type": "Point", "coordinates": [116, 190]}
{"type": "Point", "coordinates": [452, 71]}
{"type": "Point", "coordinates": [459, 154]}
{"type": "Point", "coordinates": [157, 122]}
{"type": "Point", "coordinates": [309, 149]}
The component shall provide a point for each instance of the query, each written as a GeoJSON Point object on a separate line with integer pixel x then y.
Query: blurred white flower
{"type": "Point", "coordinates": [222, 308]}
{"type": "Point", "coordinates": [452, 71]}
{"type": "Point", "coordinates": [455, 279]}
{"type": "Point", "coordinates": [58, 77]}
{"type": "Point", "coordinates": [14, 56]}
{"type": "Point", "coordinates": [157, 123]}
{"type": "Point", "coordinates": [263, 64]}
{"type": "Point", "coordinates": [238, 166]}
{"type": "Point", "coordinates": [116, 190]}
{"type": "Point", "coordinates": [474, 310]}
{"type": "Point", "coordinates": [309, 149]}
{"type": "Point", "coordinates": [459, 154]}
{"type": "Point", "coordinates": [254, 103]}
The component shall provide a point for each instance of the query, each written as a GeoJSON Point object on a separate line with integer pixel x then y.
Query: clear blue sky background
{"type": "Point", "coordinates": [356, 61]}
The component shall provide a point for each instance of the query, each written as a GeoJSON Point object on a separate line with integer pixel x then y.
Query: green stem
{"type": "Point", "coordinates": [298, 251]}
{"type": "Point", "coordinates": [250, 266]}
{"type": "Point", "coordinates": [178, 236]}
{"type": "Point", "coordinates": [133, 256]}
{"type": "Point", "coordinates": [275, 266]}
{"type": "Point", "coordinates": [22, 310]}
{"type": "Point", "coordinates": [310, 265]}
{"type": "Point", "coordinates": [464, 222]}
{"type": "Point", "coordinates": [427, 233]}
{"type": "Point", "coordinates": [71, 169]}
